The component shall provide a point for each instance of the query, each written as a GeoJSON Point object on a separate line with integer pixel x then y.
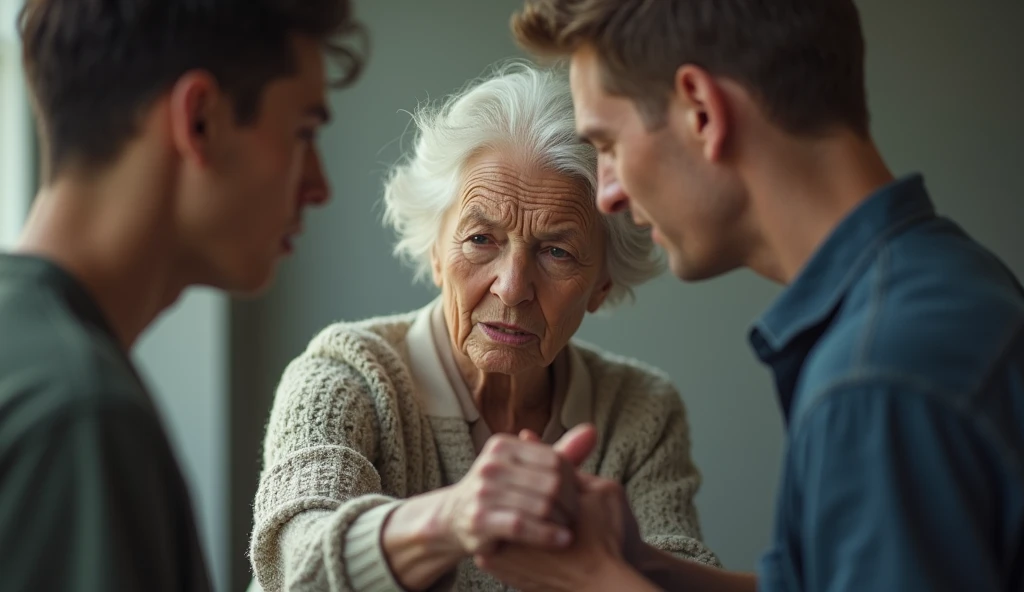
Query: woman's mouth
{"type": "Point", "coordinates": [506, 334]}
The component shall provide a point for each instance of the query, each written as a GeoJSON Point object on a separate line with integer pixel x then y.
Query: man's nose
{"type": "Point", "coordinates": [611, 198]}
{"type": "Point", "coordinates": [314, 189]}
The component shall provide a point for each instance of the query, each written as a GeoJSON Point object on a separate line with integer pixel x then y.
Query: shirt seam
{"type": "Point", "coordinates": [878, 294]}
{"type": "Point", "coordinates": [863, 381]}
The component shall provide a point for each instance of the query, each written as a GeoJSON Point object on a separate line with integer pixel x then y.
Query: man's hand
{"type": "Point", "coordinates": [574, 447]}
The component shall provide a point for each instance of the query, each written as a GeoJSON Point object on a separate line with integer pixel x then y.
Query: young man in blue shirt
{"type": "Point", "coordinates": [738, 130]}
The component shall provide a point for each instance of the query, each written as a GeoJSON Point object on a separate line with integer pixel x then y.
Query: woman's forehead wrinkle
{"type": "Point", "coordinates": [500, 194]}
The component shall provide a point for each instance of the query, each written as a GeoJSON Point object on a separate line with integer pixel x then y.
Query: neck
{"type": "Point", "coordinates": [112, 234]}
{"type": "Point", "coordinates": [803, 190]}
{"type": "Point", "coordinates": [511, 402]}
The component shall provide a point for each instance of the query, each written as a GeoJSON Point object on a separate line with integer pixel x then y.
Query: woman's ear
{"type": "Point", "coordinates": [599, 295]}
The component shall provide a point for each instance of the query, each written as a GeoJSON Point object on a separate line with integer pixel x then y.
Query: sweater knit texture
{"type": "Point", "coordinates": [347, 435]}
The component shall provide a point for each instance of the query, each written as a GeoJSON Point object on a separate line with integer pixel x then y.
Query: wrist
{"type": "Point", "coordinates": [439, 515]}
{"type": "Point", "coordinates": [614, 574]}
{"type": "Point", "coordinates": [426, 520]}
{"type": "Point", "coordinates": [642, 556]}
{"type": "Point", "coordinates": [417, 544]}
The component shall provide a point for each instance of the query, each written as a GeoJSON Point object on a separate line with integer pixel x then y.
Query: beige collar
{"type": "Point", "coordinates": [442, 391]}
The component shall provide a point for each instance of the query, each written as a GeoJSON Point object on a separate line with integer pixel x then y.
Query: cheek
{"type": "Point", "coordinates": [636, 172]}
{"type": "Point", "coordinates": [274, 159]}
{"type": "Point", "coordinates": [463, 286]}
{"type": "Point", "coordinates": [563, 304]}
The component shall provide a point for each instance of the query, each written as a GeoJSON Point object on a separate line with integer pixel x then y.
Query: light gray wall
{"type": "Point", "coordinates": [945, 81]}
{"type": "Point", "coordinates": [184, 359]}
{"type": "Point", "coordinates": [17, 156]}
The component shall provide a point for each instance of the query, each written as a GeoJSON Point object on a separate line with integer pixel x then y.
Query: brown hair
{"type": "Point", "coordinates": [802, 59]}
{"type": "Point", "coordinates": [93, 66]}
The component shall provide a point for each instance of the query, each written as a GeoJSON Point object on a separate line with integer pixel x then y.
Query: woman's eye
{"type": "Point", "coordinates": [478, 239]}
{"type": "Point", "coordinates": [559, 253]}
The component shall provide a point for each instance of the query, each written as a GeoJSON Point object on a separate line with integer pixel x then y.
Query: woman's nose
{"type": "Point", "coordinates": [514, 282]}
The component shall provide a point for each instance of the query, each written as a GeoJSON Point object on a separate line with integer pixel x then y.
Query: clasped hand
{"type": "Point", "coordinates": [519, 491]}
{"type": "Point", "coordinates": [522, 500]}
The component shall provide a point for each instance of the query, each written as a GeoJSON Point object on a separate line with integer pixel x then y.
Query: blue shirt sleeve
{"type": "Point", "coordinates": [887, 489]}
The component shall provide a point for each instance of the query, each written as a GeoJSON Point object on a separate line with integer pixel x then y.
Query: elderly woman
{"type": "Point", "coordinates": [392, 455]}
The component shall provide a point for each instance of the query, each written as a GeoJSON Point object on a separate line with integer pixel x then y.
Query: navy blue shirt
{"type": "Point", "coordinates": [898, 356]}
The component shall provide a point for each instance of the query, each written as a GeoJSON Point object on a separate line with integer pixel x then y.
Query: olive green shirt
{"type": "Point", "coordinates": [91, 497]}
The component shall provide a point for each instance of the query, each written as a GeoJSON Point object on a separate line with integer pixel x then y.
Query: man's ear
{"type": "Point", "coordinates": [194, 101]}
{"type": "Point", "coordinates": [699, 110]}
{"type": "Point", "coordinates": [600, 294]}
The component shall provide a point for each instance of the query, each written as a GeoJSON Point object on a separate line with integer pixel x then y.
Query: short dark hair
{"type": "Point", "coordinates": [94, 66]}
{"type": "Point", "coordinates": [802, 59]}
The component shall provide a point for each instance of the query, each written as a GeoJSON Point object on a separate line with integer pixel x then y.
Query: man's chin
{"type": "Point", "coordinates": [691, 271]}
{"type": "Point", "coordinates": [250, 283]}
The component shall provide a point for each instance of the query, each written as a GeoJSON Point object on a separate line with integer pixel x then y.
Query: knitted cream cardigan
{"type": "Point", "coordinates": [347, 438]}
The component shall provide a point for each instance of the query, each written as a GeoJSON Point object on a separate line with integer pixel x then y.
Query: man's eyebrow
{"type": "Point", "coordinates": [589, 135]}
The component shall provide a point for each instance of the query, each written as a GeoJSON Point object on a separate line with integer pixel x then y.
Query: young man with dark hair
{"type": "Point", "coordinates": [178, 150]}
{"type": "Point", "coordinates": [738, 129]}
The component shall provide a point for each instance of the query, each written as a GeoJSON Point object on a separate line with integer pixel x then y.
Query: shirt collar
{"type": "Point", "coordinates": [71, 289]}
{"type": "Point", "coordinates": [838, 262]}
{"type": "Point", "coordinates": [444, 394]}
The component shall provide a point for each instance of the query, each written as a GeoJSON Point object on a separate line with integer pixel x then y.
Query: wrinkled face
{"type": "Point", "coordinates": [519, 260]}
{"type": "Point", "coordinates": [661, 175]}
{"type": "Point", "coordinates": [245, 207]}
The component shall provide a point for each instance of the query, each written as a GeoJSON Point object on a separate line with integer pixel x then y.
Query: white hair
{"type": "Point", "coordinates": [520, 109]}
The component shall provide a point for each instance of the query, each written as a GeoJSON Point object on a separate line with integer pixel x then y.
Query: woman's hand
{"type": "Point", "coordinates": [594, 559]}
{"type": "Point", "coordinates": [518, 491]}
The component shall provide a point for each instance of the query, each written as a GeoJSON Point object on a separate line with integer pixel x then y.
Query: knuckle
{"type": "Point", "coordinates": [477, 518]}
{"type": "Point", "coordinates": [498, 444]}
{"type": "Point", "coordinates": [553, 485]}
{"type": "Point", "coordinates": [517, 525]}
{"type": "Point", "coordinates": [485, 491]}
{"type": "Point", "coordinates": [546, 508]}
{"type": "Point", "coordinates": [491, 468]}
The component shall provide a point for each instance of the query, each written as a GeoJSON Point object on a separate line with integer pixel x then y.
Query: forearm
{"type": "Point", "coordinates": [673, 573]}
{"type": "Point", "coordinates": [416, 545]}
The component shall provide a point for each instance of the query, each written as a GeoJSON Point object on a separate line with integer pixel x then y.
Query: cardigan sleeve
{"type": "Point", "coordinates": [664, 481]}
{"type": "Point", "coordinates": [320, 505]}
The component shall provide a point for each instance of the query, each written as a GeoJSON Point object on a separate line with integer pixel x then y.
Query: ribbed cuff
{"type": "Point", "coordinates": [365, 561]}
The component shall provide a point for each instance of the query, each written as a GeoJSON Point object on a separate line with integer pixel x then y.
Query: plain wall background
{"type": "Point", "coordinates": [17, 145]}
{"type": "Point", "coordinates": [946, 84]}
{"type": "Point", "coordinates": [184, 359]}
